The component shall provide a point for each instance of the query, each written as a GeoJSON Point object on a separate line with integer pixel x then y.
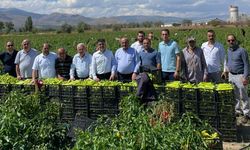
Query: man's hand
{"type": "Point", "coordinates": [176, 74]}
{"type": "Point", "coordinates": [134, 76]}
{"type": "Point", "coordinates": [244, 81]}
{"type": "Point", "coordinates": [112, 77]}
{"type": "Point", "coordinates": [19, 77]}
{"type": "Point", "coordinates": [60, 77]}
{"type": "Point", "coordinates": [205, 78]}
{"type": "Point", "coordinates": [96, 79]}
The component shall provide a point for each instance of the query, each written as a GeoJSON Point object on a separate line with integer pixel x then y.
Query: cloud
{"type": "Point", "coordinates": [106, 8]}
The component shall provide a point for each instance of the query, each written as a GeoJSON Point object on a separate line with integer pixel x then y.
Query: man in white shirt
{"type": "Point", "coordinates": [103, 62]}
{"type": "Point", "coordinates": [138, 45]}
{"type": "Point", "coordinates": [214, 53]}
{"type": "Point", "coordinates": [24, 60]}
{"type": "Point", "coordinates": [44, 64]}
{"type": "Point", "coordinates": [81, 64]}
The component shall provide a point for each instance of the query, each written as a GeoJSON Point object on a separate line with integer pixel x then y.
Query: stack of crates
{"type": "Point", "coordinates": [208, 107]}
{"type": "Point", "coordinates": [173, 95]}
{"type": "Point", "coordinates": [81, 100]}
{"type": "Point", "coordinates": [190, 100]}
{"type": "Point", "coordinates": [104, 100]}
{"type": "Point", "coordinates": [66, 96]}
{"type": "Point", "coordinates": [227, 124]}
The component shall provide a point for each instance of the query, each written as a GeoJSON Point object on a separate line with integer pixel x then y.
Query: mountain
{"type": "Point", "coordinates": [55, 20]}
{"type": "Point", "coordinates": [140, 19]}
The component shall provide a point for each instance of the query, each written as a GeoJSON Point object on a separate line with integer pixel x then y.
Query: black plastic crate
{"type": "Point", "coordinates": [226, 96]}
{"type": "Point", "coordinates": [190, 100]}
{"type": "Point", "coordinates": [104, 91]}
{"type": "Point", "coordinates": [26, 89]}
{"type": "Point", "coordinates": [82, 91]}
{"type": "Point", "coordinates": [52, 90]}
{"type": "Point", "coordinates": [213, 120]}
{"type": "Point", "coordinates": [126, 90]}
{"type": "Point", "coordinates": [229, 135]}
{"type": "Point", "coordinates": [173, 93]}
{"type": "Point", "coordinates": [160, 90]}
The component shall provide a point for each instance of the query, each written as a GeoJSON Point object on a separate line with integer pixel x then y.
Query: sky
{"type": "Point", "coordinates": [107, 8]}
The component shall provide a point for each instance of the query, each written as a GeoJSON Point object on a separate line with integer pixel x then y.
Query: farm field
{"type": "Point", "coordinates": [69, 41]}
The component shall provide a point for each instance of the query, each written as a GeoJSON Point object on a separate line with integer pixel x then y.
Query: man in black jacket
{"type": "Point", "coordinates": [8, 58]}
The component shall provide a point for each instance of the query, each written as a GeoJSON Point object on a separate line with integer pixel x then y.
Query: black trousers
{"type": "Point", "coordinates": [104, 76]}
{"type": "Point", "coordinates": [124, 77]}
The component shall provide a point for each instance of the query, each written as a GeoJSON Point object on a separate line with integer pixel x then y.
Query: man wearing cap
{"type": "Point", "coordinates": [193, 62]}
{"type": "Point", "coordinates": [170, 57]}
{"type": "Point", "coordinates": [214, 55]}
{"type": "Point", "coordinates": [237, 64]}
{"type": "Point", "coordinates": [8, 59]}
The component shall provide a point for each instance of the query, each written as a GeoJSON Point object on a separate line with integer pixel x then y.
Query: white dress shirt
{"type": "Point", "coordinates": [82, 66]}
{"type": "Point", "coordinates": [137, 46]}
{"type": "Point", "coordinates": [214, 56]}
{"type": "Point", "coordinates": [103, 62]}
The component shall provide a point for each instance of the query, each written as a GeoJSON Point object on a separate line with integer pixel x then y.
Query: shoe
{"type": "Point", "coordinates": [245, 119]}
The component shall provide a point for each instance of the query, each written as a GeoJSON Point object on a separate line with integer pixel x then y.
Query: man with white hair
{"type": "Point", "coordinates": [81, 64]}
{"type": "Point", "coordinates": [24, 60]}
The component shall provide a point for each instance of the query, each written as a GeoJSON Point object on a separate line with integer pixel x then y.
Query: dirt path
{"type": "Point", "coordinates": [235, 146]}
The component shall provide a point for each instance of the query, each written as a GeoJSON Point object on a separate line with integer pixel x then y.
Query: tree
{"type": "Point", "coordinates": [186, 22]}
{"type": "Point", "coordinates": [1, 26]}
{"type": "Point", "coordinates": [9, 26]}
{"type": "Point", "coordinates": [66, 28]}
{"type": "Point", "coordinates": [28, 24]}
{"type": "Point", "coordinates": [82, 26]}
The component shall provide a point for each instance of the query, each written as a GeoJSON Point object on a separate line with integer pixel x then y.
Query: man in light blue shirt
{"type": "Point", "coordinates": [81, 64]}
{"type": "Point", "coordinates": [138, 45]}
{"type": "Point", "coordinates": [24, 60]}
{"type": "Point", "coordinates": [103, 62]}
{"type": "Point", "coordinates": [44, 64]}
{"type": "Point", "coordinates": [126, 58]}
{"type": "Point", "coordinates": [170, 57]}
{"type": "Point", "coordinates": [214, 53]}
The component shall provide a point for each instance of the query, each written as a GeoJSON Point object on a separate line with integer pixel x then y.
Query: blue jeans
{"type": "Point", "coordinates": [167, 76]}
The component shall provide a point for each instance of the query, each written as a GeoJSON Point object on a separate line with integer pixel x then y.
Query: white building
{"type": "Point", "coordinates": [233, 14]}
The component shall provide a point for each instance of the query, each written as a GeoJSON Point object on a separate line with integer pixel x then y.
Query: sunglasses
{"type": "Point", "coordinates": [230, 40]}
{"type": "Point", "coordinates": [9, 45]}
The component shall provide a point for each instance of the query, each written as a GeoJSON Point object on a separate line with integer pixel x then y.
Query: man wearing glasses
{"type": "Point", "coordinates": [8, 59]}
{"type": "Point", "coordinates": [103, 63]}
{"type": "Point", "coordinates": [236, 64]}
{"type": "Point", "coordinates": [24, 60]}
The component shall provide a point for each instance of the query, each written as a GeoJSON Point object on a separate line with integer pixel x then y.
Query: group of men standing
{"type": "Point", "coordinates": [194, 64]}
